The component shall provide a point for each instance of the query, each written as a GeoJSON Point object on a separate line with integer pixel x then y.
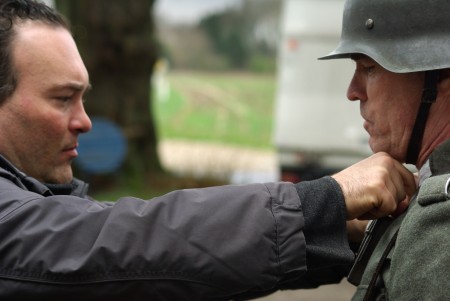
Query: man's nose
{"type": "Point", "coordinates": [80, 122]}
{"type": "Point", "coordinates": [356, 90]}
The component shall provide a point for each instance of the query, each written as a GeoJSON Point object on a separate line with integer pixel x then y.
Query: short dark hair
{"type": "Point", "coordinates": [11, 13]}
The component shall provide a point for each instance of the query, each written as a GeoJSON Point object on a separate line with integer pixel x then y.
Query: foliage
{"type": "Point", "coordinates": [187, 47]}
{"type": "Point", "coordinates": [239, 38]}
{"type": "Point", "coordinates": [228, 33]}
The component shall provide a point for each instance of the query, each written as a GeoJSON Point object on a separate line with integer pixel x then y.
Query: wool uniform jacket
{"type": "Point", "coordinates": [411, 260]}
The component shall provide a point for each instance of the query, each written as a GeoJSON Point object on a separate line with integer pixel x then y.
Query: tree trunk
{"type": "Point", "coordinates": [117, 43]}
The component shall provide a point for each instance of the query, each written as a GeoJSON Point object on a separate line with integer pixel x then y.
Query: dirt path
{"type": "Point", "coordinates": [239, 165]}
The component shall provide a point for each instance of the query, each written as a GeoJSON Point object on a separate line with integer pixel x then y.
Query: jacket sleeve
{"type": "Point", "coordinates": [328, 254]}
{"type": "Point", "coordinates": [200, 244]}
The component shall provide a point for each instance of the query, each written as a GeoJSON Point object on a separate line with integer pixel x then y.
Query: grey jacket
{"type": "Point", "coordinates": [411, 260]}
{"type": "Point", "coordinates": [219, 243]}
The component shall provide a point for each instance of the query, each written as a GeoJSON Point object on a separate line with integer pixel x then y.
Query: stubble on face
{"type": "Point", "coordinates": [388, 104]}
{"type": "Point", "coordinates": [36, 118]}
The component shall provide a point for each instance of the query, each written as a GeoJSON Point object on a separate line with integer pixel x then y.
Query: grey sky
{"type": "Point", "coordinates": [190, 10]}
{"type": "Point", "coordinates": [182, 11]}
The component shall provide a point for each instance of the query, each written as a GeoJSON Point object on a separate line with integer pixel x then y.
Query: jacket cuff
{"type": "Point", "coordinates": [325, 224]}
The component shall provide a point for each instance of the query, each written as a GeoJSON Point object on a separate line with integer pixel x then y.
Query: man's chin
{"type": "Point", "coordinates": [62, 176]}
{"type": "Point", "coordinates": [373, 145]}
{"type": "Point", "coordinates": [400, 157]}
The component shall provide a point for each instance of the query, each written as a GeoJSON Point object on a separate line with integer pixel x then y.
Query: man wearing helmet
{"type": "Point", "coordinates": [217, 243]}
{"type": "Point", "coordinates": [402, 80]}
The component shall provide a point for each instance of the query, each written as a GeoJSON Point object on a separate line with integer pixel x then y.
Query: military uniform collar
{"type": "Point", "coordinates": [438, 163]}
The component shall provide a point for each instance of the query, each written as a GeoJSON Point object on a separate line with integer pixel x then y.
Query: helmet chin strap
{"type": "Point", "coordinates": [429, 95]}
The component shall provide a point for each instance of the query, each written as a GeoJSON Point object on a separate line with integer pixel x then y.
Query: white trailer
{"type": "Point", "coordinates": [317, 130]}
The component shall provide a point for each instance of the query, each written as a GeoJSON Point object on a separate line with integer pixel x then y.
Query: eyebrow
{"type": "Point", "coordinates": [72, 86]}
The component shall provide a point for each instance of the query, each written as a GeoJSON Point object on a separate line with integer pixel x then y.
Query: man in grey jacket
{"type": "Point", "coordinates": [219, 243]}
{"type": "Point", "coordinates": [402, 81]}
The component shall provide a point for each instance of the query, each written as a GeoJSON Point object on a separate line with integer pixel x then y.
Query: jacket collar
{"type": "Point", "coordinates": [440, 159]}
{"type": "Point", "coordinates": [438, 163]}
{"type": "Point", "coordinates": [75, 187]}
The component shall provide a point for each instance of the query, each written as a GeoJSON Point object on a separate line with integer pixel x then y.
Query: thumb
{"type": "Point", "coordinates": [403, 205]}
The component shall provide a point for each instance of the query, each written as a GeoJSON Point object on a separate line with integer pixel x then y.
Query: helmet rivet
{"type": "Point", "coordinates": [369, 24]}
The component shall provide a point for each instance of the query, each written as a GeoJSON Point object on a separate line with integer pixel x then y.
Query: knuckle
{"type": "Point", "coordinates": [379, 183]}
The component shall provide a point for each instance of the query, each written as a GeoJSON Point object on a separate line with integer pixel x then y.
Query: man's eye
{"type": "Point", "coordinates": [64, 98]}
{"type": "Point", "coordinates": [369, 69]}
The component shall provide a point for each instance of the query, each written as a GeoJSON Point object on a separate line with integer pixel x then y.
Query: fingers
{"type": "Point", "coordinates": [401, 185]}
{"type": "Point", "coordinates": [406, 185]}
{"type": "Point", "coordinates": [376, 187]}
{"type": "Point", "coordinates": [403, 205]}
{"type": "Point", "coordinates": [409, 180]}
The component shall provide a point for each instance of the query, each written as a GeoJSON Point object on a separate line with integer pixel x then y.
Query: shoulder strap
{"type": "Point", "coordinates": [372, 236]}
{"type": "Point", "coordinates": [370, 293]}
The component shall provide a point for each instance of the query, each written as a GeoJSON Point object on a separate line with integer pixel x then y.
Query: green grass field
{"type": "Point", "coordinates": [231, 108]}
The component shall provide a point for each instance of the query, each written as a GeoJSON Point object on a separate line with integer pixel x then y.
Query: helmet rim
{"type": "Point", "coordinates": [402, 36]}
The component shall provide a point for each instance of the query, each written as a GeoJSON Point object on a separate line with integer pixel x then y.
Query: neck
{"type": "Point", "coordinates": [436, 132]}
{"type": "Point", "coordinates": [437, 128]}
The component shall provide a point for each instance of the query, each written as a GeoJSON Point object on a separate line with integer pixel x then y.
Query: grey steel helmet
{"type": "Point", "coordinates": [400, 35]}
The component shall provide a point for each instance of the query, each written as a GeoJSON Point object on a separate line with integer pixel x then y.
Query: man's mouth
{"type": "Point", "coordinates": [71, 150]}
{"type": "Point", "coordinates": [367, 125]}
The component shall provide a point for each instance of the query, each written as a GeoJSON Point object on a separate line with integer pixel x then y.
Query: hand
{"type": "Point", "coordinates": [374, 187]}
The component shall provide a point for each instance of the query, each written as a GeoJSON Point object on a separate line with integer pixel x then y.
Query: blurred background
{"type": "Point", "coordinates": [194, 93]}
